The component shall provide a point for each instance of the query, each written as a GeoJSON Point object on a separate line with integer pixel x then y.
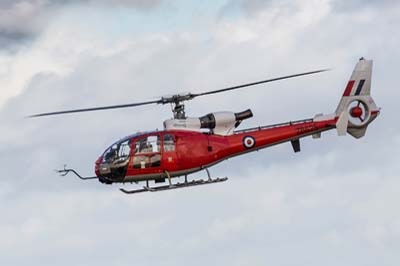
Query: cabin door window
{"type": "Point", "coordinates": [147, 153]}
{"type": "Point", "coordinates": [169, 143]}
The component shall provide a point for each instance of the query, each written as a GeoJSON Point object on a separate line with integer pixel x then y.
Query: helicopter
{"type": "Point", "coordinates": [191, 144]}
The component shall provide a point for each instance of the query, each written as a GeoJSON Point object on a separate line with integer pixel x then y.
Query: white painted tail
{"type": "Point", "coordinates": [357, 109]}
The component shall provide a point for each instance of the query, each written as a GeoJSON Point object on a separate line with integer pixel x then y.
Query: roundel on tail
{"type": "Point", "coordinates": [249, 142]}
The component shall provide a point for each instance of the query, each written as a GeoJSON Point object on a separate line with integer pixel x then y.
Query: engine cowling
{"type": "Point", "coordinates": [219, 123]}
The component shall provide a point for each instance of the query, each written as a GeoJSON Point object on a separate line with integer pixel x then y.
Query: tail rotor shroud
{"type": "Point", "coordinates": [359, 113]}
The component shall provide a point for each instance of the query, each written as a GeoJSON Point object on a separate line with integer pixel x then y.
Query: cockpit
{"type": "Point", "coordinates": [117, 152]}
{"type": "Point", "coordinates": [115, 160]}
{"type": "Point", "coordinates": [135, 154]}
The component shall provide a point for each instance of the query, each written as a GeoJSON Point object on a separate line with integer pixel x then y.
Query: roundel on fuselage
{"type": "Point", "coordinates": [249, 142]}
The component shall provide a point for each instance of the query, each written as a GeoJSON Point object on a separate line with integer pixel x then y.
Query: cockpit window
{"type": "Point", "coordinates": [150, 144]}
{"type": "Point", "coordinates": [147, 153]}
{"type": "Point", "coordinates": [124, 149]}
{"type": "Point", "coordinates": [110, 154]}
{"type": "Point", "coordinates": [169, 143]}
{"type": "Point", "coordinates": [117, 151]}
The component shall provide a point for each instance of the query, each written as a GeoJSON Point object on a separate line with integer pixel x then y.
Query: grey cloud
{"type": "Point", "coordinates": [333, 204]}
{"type": "Point", "coordinates": [22, 20]}
{"type": "Point", "coordinates": [19, 21]}
{"type": "Point", "coordinates": [354, 5]}
{"type": "Point", "coordinates": [12, 40]}
{"type": "Point", "coordinates": [255, 6]}
{"type": "Point", "coordinates": [137, 4]}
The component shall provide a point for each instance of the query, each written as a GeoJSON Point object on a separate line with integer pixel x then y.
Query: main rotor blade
{"type": "Point", "coordinates": [95, 109]}
{"type": "Point", "coordinates": [175, 98]}
{"type": "Point", "coordinates": [257, 83]}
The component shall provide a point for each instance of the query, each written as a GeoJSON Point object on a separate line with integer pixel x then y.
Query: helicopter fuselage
{"type": "Point", "coordinates": [161, 154]}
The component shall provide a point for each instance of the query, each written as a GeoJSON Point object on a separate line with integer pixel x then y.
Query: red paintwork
{"type": "Point", "coordinates": [349, 87]}
{"type": "Point", "coordinates": [196, 149]}
{"type": "Point", "coordinates": [97, 165]}
{"type": "Point", "coordinates": [356, 112]}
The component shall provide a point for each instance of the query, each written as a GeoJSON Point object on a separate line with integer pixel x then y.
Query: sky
{"type": "Point", "coordinates": [334, 203]}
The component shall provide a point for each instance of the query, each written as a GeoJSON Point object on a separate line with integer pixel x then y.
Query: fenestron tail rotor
{"type": "Point", "coordinates": [177, 100]}
{"type": "Point", "coordinates": [358, 113]}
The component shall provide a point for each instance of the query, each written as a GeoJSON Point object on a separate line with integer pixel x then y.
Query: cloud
{"type": "Point", "coordinates": [19, 21]}
{"type": "Point", "coordinates": [248, 9]}
{"type": "Point", "coordinates": [334, 203]}
{"type": "Point", "coordinates": [255, 6]}
{"type": "Point", "coordinates": [138, 4]}
{"type": "Point", "coordinates": [344, 6]}
{"type": "Point", "coordinates": [23, 20]}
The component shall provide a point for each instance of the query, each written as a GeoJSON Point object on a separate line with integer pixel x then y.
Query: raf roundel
{"type": "Point", "coordinates": [249, 142]}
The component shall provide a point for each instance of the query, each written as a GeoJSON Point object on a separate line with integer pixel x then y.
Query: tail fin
{"type": "Point", "coordinates": [357, 109]}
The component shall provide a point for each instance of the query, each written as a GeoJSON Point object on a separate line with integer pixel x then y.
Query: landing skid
{"type": "Point", "coordinates": [147, 188]}
{"type": "Point", "coordinates": [175, 186]}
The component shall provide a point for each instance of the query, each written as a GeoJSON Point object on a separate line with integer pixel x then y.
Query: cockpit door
{"type": "Point", "coordinates": [115, 160]}
{"type": "Point", "coordinates": [147, 155]}
{"type": "Point", "coordinates": [170, 158]}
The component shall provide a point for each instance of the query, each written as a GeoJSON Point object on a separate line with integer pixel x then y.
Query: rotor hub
{"type": "Point", "coordinates": [356, 112]}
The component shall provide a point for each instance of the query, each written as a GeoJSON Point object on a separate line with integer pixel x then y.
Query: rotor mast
{"type": "Point", "coordinates": [179, 110]}
{"type": "Point", "coordinates": [177, 102]}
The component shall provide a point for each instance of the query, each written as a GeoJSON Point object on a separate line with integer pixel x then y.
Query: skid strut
{"type": "Point", "coordinates": [177, 185]}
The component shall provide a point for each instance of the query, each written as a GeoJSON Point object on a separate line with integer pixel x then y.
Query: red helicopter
{"type": "Point", "coordinates": [188, 145]}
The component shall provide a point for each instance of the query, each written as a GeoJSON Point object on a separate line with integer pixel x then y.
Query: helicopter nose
{"type": "Point", "coordinates": [97, 165]}
{"type": "Point", "coordinates": [99, 160]}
